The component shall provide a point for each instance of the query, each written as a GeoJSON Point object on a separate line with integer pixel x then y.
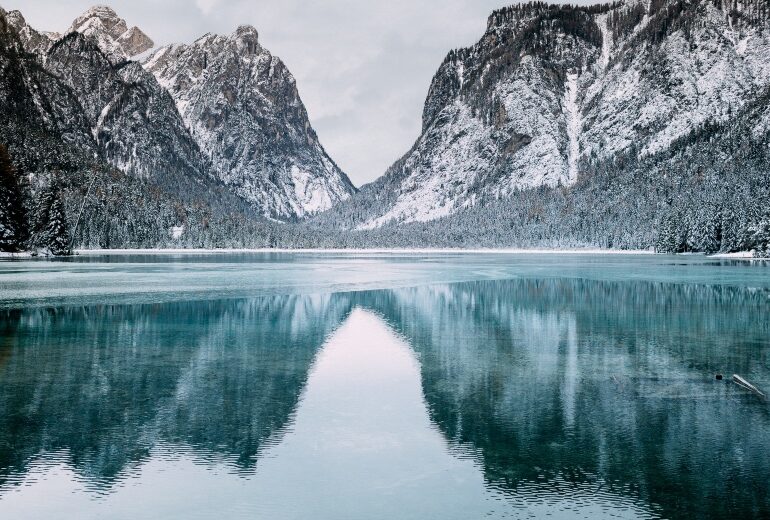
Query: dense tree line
{"type": "Point", "coordinates": [13, 221]}
{"type": "Point", "coordinates": [31, 222]}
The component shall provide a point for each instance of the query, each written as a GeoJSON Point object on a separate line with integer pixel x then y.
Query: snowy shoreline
{"type": "Point", "coordinates": [741, 255]}
{"type": "Point", "coordinates": [364, 251]}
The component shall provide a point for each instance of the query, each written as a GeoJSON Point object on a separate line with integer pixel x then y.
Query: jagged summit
{"type": "Point", "coordinates": [104, 15]}
{"type": "Point", "coordinates": [111, 32]}
{"type": "Point", "coordinates": [33, 41]}
{"type": "Point", "coordinates": [242, 107]}
{"type": "Point", "coordinates": [15, 18]}
{"type": "Point", "coordinates": [246, 31]}
{"type": "Point", "coordinates": [247, 39]}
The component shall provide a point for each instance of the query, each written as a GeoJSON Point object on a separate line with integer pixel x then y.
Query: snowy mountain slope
{"type": "Point", "coordinates": [682, 64]}
{"type": "Point", "coordinates": [549, 86]}
{"type": "Point", "coordinates": [242, 107]}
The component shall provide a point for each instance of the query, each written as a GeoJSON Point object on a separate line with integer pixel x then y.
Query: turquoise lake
{"type": "Point", "coordinates": [383, 386]}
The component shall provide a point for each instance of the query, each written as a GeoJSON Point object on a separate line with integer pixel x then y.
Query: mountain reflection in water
{"type": "Point", "coordinates": [514, 398]}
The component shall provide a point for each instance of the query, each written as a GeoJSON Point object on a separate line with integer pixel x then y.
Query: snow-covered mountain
{"type": "Point", "coordinates": [549, 87]}
{"type": "Point", "coordinates": [222, 112]}
{"type": "Point", "coordinates": [638, 124]}
{"type": "Point", "coordinates": [242, 107]}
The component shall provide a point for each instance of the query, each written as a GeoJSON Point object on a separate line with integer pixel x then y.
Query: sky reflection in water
{"type": "Point", "coordinates": [553, 392]}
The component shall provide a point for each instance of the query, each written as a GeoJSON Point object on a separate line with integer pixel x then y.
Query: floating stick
{"type": "Point", "coordinates": [738, 380]}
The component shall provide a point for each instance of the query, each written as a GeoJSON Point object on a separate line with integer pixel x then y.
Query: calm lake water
{"type": "Point", "coordinates": [277, 386]}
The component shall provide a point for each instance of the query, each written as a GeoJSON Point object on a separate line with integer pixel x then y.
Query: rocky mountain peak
{"type": "Point", "coordinates": [35, 42]}
{"type": "Point", "coordinates": [15, 18]}
{"type": "Point", "coordinates": [247, 39]}
{"type": "Point", "coordinates": [111, 33]}
{"type": "Point", "coordinates": [103, 16]}
{"type": "Point", "coordinates": [242, 107]}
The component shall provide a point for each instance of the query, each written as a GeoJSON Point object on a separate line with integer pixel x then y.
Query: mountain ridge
{"type": "Point", "coordinates": [549, 86]}
{"type": "Point", "coordinates": [631, 125]}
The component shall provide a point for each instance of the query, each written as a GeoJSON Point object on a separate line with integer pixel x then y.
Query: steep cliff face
{"type": "Point", "coordinates": [131, 117]}
{"type": "Point", "coordinates": [550, 86]}
{"type": "Point", "coordinates": [242, 107]}
{"type": "Point", "coordinates": [41, 121]}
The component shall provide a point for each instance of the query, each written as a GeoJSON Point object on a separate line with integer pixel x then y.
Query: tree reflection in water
{"type": "Point", "coordinates": [560, 390]}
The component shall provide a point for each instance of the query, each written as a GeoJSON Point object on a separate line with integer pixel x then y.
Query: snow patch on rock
{"type": "Point", "coordinates": [572, 113]}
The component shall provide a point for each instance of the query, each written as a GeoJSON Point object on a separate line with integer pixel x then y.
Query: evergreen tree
{"type": "Point", "coordinates": [669, 236]}
{"type": "Point", "coordinates": [51, 228]}
{"type": "Point", "coordinates": [731, 231]}
{"type": "Point", "coordinates": [706, 233]}
{"type": "Point", "coordinates": [760, 237]}
{"type": "Point", "coordinates": [13, 220]}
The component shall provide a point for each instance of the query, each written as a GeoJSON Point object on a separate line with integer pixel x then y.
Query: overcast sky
{"type": "Point", "coordinates": [363, 67]}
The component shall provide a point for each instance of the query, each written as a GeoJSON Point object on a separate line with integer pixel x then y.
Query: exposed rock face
{"type": "Point", "coordinates": [33, 41]}
{"type": "Point", "coordinates": [41, 121]}
{"type": "Point", "coordinates": [242, 107]}
{"type": "Point", "coordinates": [134, 41]}
{"type": "Point", "coordinates": [132, 119]}
{"type": "Point", "coordinates": [111, 33]}
{"type": "Point", "coordinates": [550, 86]}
